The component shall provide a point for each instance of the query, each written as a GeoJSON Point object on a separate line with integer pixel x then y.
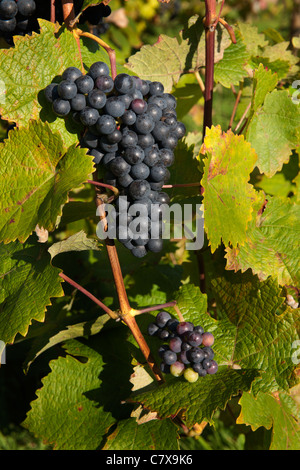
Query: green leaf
{"type": "Point", "coordinates": [155, 435]}
{"type": "Point", "coordinates": [253, 40]}
{"type": "Point", "coordinates": [279, 412]}
{"type": "Point", "coordinates": [77, 242]}
{"type": "Point", "coordinates": [265, 327]}
{"type": "Point", "coordinates": [198, 400]}
{"type": "Point", "coordinates": [85, 392]}
{"type": "Point", "coordinates": [264, 81]}
{"type": "Point", "coordinates": [230, 70]}
{"type": "Point", "coordinates": [36, 179]}
{"type": "Point", "coordinates": [272, 244]}
{"type": "Point", "coordinates": [274, 131]}
{"type": "Point", "coordinates": [169, 58]}
{"type": "Point", "coordinates": [24, 98]}
{"type": "Point", "coordinates": [228, 197]}
{"type": "Point", "coordinates": [27, 284]}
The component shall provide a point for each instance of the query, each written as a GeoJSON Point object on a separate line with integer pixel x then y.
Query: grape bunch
{"type": "Point", "coordinates": [131, 130]}
{"type": "Point", "coordinates": [187, 348]}
{"type": "Point", "coordinates": [16, 17]}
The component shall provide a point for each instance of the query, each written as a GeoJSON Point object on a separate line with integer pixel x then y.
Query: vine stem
{"type": "Point", "coordinates": [126, 310]}
{"type": "Point", "coordinates": [70, 281]}
{"type": "Point", "coordinates": [52, 11]}
{"type": "Point", "coordinates": [209, 20]}
{"type": "Point", "coordinates": [104, 185]}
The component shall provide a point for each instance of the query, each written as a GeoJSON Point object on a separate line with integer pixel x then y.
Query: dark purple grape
{"type": "Point", "coordinates": [140, 171]}
{"type": "Point", "coordinates": [156, 88]}
{"type": "Point", "coordinates": [151, 156]}
{"type": "Point", "coordinates": [89, 116]}
{"type": "Point", "coordinates": [163, 198]}
{"type": "Point", "coordinates": [184, 327]}
{"type": "Point", "coordinates": [169, 357]}
{"type": "Point", "coordinates": [124, 83]}
{"type": "Point", "coordinates": [139, 251]}
{"type": "Point", "coordinates": [194, 338]}
{"type": "Point", "coordinates": [51, 93]}
{"type": "Point", "coordinates": [138, 106]}
{"type": "Point", "coordinates": [197, 367]}
{"type": "Point", "coordinates": [115, 137]}
{"type": "Point", "coordinates": [158, 172]}
{"type": "Point", "coordinates": [155, 245]}
{"type": "Point", "coordinates": [8, 9]}
{"type": "Point", "coordinates": [106, 124]}
{"type": "Point", "coordinates": [129, 139]}
{"type": "Point", "coordinates": [78, 103]}
{"type": "Point", "coordinates": [146, 140]}
{"type": "Point", "coordinates": [175, 344]}
{"type": "Point", "coordinates": [184, 358]}
{"type": "Point", "coordinates": [163, 348]}
{"type": "Point", "coordinates": [195, 355]}
{"type": "Point", "coordinates": [96, 99]}
{"type": "Point", "coordinates": [207, 363]}
{"type": "Point", "coordinates": [8, 26]}
{"type": "Point", "coordinates": [134, 155]}
{"type": "Point", "coordinates": [166, 156]}
{"type": "Point", "coordinates": [163, 334]}
{"type": "Point", "coordinates": [114, 107]}
{"type": "Point", "coordinates": [67, 90]}
{"type": "Point", "coordinates": [213, 368]}
{"type": "Point", "coordinates": [199, 329]}
{"type": "Point", "coordinates": [98, 69]}
{"type": "Point", "coordinates": [85, 84]}
{"type": "Point", "coordinates": [180, 130]}
{"type": "Point", "coordinates": [172, 325]}
{"type": "Point", "coordinates": [119, 167]}
{"type": "Point", "coordinates": [208, 352]}
{"type": "Point", "coordinates": [98, 156]}
{"type": "Point", "coordinates": [61, 107]}
{"type": "Point", "coordinates": [71, 74]}
{"type": "Point", "coordinates": [125, 180]}
{"type": "Point", "coordinates": [144, 124]}
{"type": "Point", "coordinates": [185, 346]}
{"type": "Point", "coordinates": [105, 83]}
{"type": "Point", "coordinates": [162, 318]}
{"type": "Point", "coordinates": [128, 118]}
{"type": "Point", "coordinates": [154, 111]}
{"type": "Point", "coordinates": [26, 7]}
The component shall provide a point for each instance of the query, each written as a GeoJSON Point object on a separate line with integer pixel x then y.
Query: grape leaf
{"type": "Point", "coordinates": [274, 131]}
{"type": "Point", "coordinates": [230, 70]}
{"type": "Point", "coordinates": [228, 198]}
{"type": "Point", "coordinates": [279, 412]}
{"type": "Point", "coordinates": [154, 435]}
{"type": "Point", "coordinates": [83, 391]}
{"type": "Point", "coordinates": [36, 179]}
{"type": "Point", "coordinates": [27, 283]}
{"type": "Point", "coordinates": [197, 401]}
{"type": "Point", "coordinates": [169, 58]}
{"type": "Point", "coordinates": [272, 245]}
{"type": "Point", "coordinates": [24, 99]}
{"type": "Point", "coordinates": [265, 327]}
{"type": "Point", "coordinates": [77, 242]}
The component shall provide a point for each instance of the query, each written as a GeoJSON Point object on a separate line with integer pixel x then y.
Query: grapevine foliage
{"type": "Point", "coordinates": [97, 390]}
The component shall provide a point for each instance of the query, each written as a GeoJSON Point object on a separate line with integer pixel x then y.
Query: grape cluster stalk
{"type": "Point", "coordinates": [187, 349]}
{"type": "Point", "coordinates": [131, 130]}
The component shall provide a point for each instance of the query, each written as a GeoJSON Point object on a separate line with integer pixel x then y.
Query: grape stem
{"type": "Point", "coordinates": [104, 185]}
{"type": "Point", "coordinates": [177, 310]}
{"type": "Point", "coordinates": [111, 52]}
{"type": "Point", "coordinates": [70, 281]}
{"type": "Point", "coordinates": [52, 11]}
{"type": "Point", "coordinates": [155, 307]}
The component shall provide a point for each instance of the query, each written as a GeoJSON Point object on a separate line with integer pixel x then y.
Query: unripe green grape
{"type": "Point", "coordinates": [177, 369]}
{"type": "Point", "coordinates": [190, 375]}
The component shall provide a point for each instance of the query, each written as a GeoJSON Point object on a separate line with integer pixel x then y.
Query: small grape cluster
{"type": "Point", "coordinates": [132, 130]}
{"type": "Point", "coordinates": [16, 17]}
{"type": "Point", "coordinates": [95, 15]}
{"type": "Point", "coordinates": [187, 349]}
